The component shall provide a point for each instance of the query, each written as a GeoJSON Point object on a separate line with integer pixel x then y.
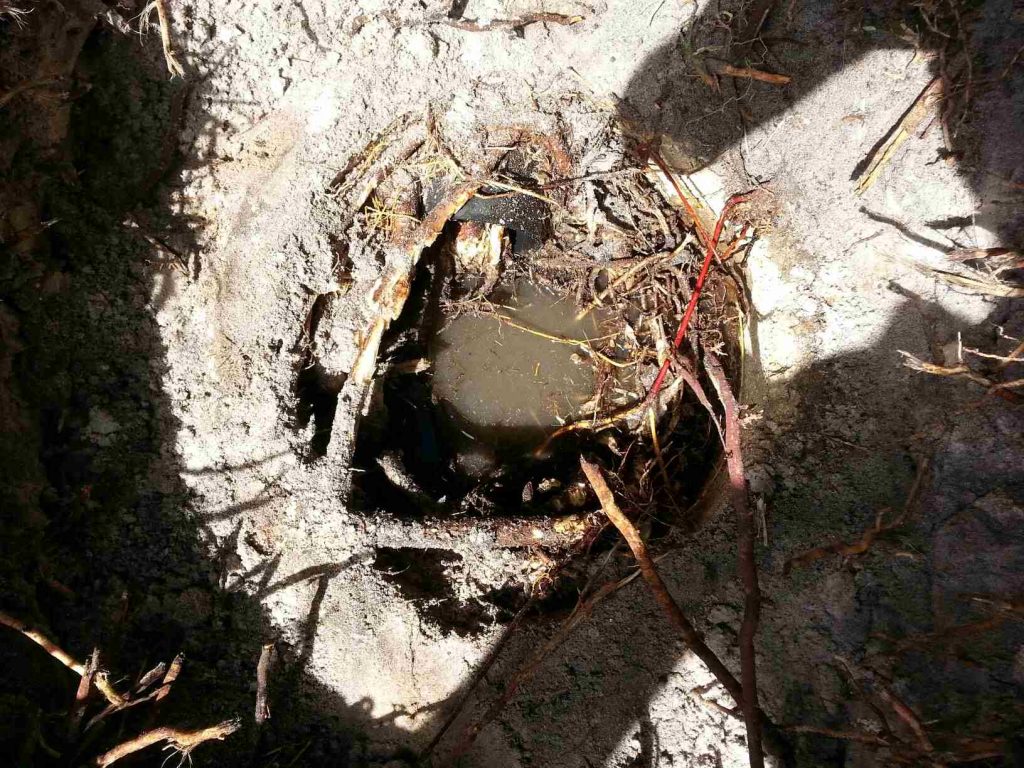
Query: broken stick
{"type": "Point", "coordinates": [99, 679]}
{"type": "Point", "coordinates": [719, 67]}
{"type": "Point", "coordinates": [690, 634]}
{"type": "Point", "coordinates": [170, 57]}
{"type": "Point", "coordinates": [183, 741]}
{"type": "Point", "coordinates": [747, 563]}
{"type": "Point", "coordinates": [637, 546]}
{"type": "Point", "coordinates": [883, 152]}
{"type": "Point", "coordinates": [262, 681]}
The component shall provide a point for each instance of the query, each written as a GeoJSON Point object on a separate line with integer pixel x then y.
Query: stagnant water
{"type": "Point", "coordinates": [505, 386]}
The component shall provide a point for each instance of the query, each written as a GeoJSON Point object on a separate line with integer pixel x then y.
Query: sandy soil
{"type": "Point", "coordinates": [159, 370]}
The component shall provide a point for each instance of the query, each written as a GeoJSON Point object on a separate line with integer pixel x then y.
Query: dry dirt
{"type": "Point", "coordinates": [153, 331]}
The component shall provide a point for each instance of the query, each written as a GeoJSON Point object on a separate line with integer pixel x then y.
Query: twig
{"type": "Point", "coordinates": [684, 324]}
{"type": "Point", "coordinates": [686, 374]}
{"type": "Point", "coordinates": [169, 677]}
{"type": "Point", "coordinates": [477, 25]}
{"type": "Point", "coordinates": [747, 564]}
{"type": "Point", "coordinates": [652, 423]}
{"type": "Point", "coordinates": [82, 694]}
{"type": "Point", "coordinates": [887, 696]}
{"type": "Point", "coordinates": [508, 186]}
{"type": "Point", "coordinates": [173, 65]}
{"type": "Point", "coordinates": [976, 281]}
{"type": "Point", "coordinates": [170, 674]}
{"type": "Point", "coordinates": [100, 680]}
{"type": "Point", "coordinates": [719, 67]}
{"type": "Point", "coordinates": [884, 151]}
{"type": "Point", "coordinates": [698, 225]}
{"type": "Point", "coordinates": [635, 410]}
{"type": "Point", "coordinates": [962, 370]}
{"type": "Point", "coordinates": [183, 741]}
{"type": "Point", "coordinates": [262, 679]}
{"type": "Point", "coordinates": [1013, 357]}
{"type": "Point", "coordinates": [656, 258]}
{"type": "Point", "coordinates": [585, 343]}
{"type": "Point", "coordinates": [863, 544]}
{"type": "Point", "coordinates": [43, 642]}
{"type": "Point", "coordinates": [841, 548]}
{"type": "Point", "coordinates": [637, 546]}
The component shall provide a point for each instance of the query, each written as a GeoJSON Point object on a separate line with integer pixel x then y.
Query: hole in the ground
{"type": "Point", "coordinates": [534, 326]}
{"type": "Point", "coordinates": [474, 383]}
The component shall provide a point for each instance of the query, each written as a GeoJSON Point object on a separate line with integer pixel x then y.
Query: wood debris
{"type": "Point", "coordinates": [745, 555]}
{"type": "Point", "coordinates": [480, 25]}
{"type": "Point", "coordinates": [262, 683]}
{"type": "Point", "coordinates": [883, 152]}
{"type": "Point", "coordinates": [170, 56]}
{"type": "Point", "coordinates": [93, 676]}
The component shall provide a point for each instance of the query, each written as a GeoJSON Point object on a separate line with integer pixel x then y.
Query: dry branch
{"type": "Point", "coordinates": [100, 680]}
{"type": "Point", "coordinates": [899, 133]}
{"type": "Point", "coordinates": [747, 563]}
{"type": "Point", "coordinates": [962, 370]}
{"type": "Point", "coordinates": [478, 25]}
{"type": "Point", "coordinates": [691, 211]}
{"type": "Point", "coordinates": [43, 642]}
{"type": "Point", "coordinates": [82, 694]}
{"type": "Point", "coordinates": [173, 65]}
{"type": "Point", "coordinates": [636, 544]}
{"type": "Point", "coordinates": [719, 67]}
{"type": "Point", "coordinates": [170, 674]}
{"type": "Point", "coordinates": [183, 741]}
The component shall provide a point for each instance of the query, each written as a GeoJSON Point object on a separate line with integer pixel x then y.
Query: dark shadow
{"type": "Point", "coordinates": [98, 546]}
{"type": "Point", "coordinates": [914, 582]}
{"type": "Point", "coordinates": [812, 41]}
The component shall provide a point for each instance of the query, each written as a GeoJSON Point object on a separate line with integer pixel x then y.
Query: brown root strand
{"type": "Point", "coordinates": [183, 741]}
{"type": "Point", "coordinates": [747, 564]}
{"type": "Point", "coordinates": [637, 546]}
